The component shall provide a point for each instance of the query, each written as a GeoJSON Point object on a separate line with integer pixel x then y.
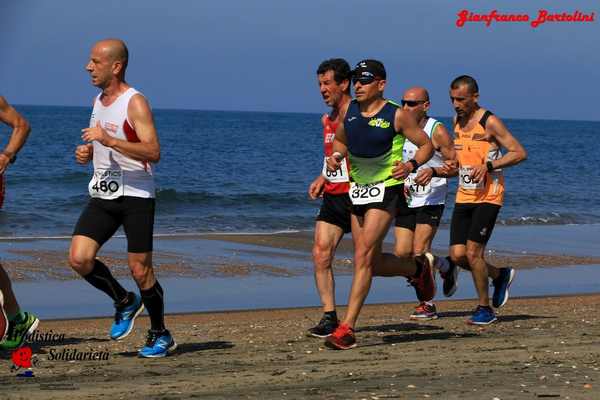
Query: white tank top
{"type": "Point", "coordinates": [435, 192]}
{"type": "Point", "coordinates": [116, 174]}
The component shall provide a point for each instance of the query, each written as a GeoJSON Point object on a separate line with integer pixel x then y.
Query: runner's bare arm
{"type": "Point", "coordinates": [405, 123]}
{"type": "Point", "coordinates": [443, 143]}
{"type": "Point", "coordinates": [340, 147]}
{"type": "Point", "coordinates": [140, 116]}
{"type": "Point", "coordinates": [19, 135]}
{"type": "Point", "coordinates": [515, 152]}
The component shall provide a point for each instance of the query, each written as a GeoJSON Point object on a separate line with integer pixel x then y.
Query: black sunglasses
{"type": "Point", "coordinates": [364, 80]}
{"type": "Point", "coordinates": [412, 103]}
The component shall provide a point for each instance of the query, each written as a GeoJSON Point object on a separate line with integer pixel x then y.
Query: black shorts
{"type": "Point", "coordinates": [429, 215]}
{"type": "Point", "coordinates": [473, 221]}
{"type": "Point", "coordinates": [392, 200]}
{"type": "Point", "coordinates": [335, 210]}
{"type": "Point", "coordinates": [101, 218]}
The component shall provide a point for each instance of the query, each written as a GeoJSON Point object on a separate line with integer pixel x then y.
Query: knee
{"type": "Point", "coordinates": [403, 252]}
{"type": "Point", "coordinates": [322, 257]}
{"type": "Point", "coordinates": [139, 271]}
{"type": "Point", "coordinates": [473, 256]}
{"type": "Point", "coordinates": [458, 257]}
{"type": "Point", "coordinates": [80, 262]}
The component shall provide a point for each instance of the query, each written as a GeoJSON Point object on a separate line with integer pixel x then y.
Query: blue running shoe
{"type": "Point", "coordinates": [125, 317]}
{"type": "Point", "coordinates": [482, 316]}
{"type": "Point", "coordinates": [501, 285]}
{"type": "Point", "coordinates": [158, 344]}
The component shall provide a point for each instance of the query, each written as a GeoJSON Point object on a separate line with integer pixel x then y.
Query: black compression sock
{"type": "Point", "coordinates": [331, 315]}
{"type": "Point", "coordinates": [102, 279]}
{"type": "Point", "coordinates": [154, 303]}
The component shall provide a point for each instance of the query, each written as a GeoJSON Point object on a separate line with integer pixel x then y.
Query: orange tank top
{"type": "Point", "coordinates": [474, 148]}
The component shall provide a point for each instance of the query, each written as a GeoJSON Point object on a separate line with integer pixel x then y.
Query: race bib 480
{"type": "Point", "coordinates": [366, 194]}
{"type": "Point", "coordinates": [106, 184]}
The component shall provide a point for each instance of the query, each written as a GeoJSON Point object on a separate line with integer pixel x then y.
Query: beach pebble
{"type": "Point", "coordinates": [411, 386]}
{"type": "Point", "coordinates": [587, 386]}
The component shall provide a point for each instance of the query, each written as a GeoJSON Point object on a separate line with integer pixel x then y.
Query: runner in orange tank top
{"type": "Point", "coordinates": [480, 136]}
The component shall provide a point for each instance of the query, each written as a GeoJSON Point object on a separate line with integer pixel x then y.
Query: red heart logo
{"type": "Point", "coordinates": [22, 357]}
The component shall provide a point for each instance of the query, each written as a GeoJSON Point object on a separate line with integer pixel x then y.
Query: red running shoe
{"type": "Point", "coordinates": [342, 338]}
{"type": "Point", "coordinates": [424, 312]}
{"type": "Point", "coordinates": [424, 284]}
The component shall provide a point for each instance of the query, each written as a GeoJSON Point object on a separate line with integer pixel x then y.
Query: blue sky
{"type": "Point", "coordinates": [261, 55]}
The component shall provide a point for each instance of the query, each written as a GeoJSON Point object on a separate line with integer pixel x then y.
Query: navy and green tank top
{"type": "Point", "coordinates": [373, 144]}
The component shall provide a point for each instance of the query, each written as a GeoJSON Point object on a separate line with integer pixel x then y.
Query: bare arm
{"type": "Point", "coordinates": [443, 142]}
{"type": "Point", "coordinates": [339, 146]}
{"type": "Point", "coordinates": [19, 134]}
{"type": "Point", "coordinates": [140, 116]}
{"type": "Point", "coordinates": [515, 152]}
{"type": "Point", "coordinates": [406, 124]}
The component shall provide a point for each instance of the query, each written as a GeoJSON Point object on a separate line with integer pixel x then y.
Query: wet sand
{"type": "Point", "coordinates": [233, 255]}
{"type": "Point", "coordinates": [540, 348]}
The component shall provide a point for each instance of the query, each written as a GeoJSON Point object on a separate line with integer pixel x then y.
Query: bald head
{"type": "Point", "coordinates": [416, 93]}
{"type": "Point", "coordinates": [115, 50]}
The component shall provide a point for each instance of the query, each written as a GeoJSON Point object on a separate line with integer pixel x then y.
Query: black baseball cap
{"type": "Point", "coordinates": [369, 69]}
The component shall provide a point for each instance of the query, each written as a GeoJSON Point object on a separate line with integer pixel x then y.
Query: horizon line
{"type": "Point", "coordinates": [294, 112]}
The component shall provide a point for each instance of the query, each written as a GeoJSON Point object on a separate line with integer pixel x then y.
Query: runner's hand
{"type": "Point", "coordinates": [83, 153]}
{"type": "Point", "coordinates": [333, 164]}
{"type": "Point", "coordinates": [401, 170]}
{"type": "Point", "coordinates": [450, 167]}
{"type": "Point", "coordinates": [316, 188]}
{"type": "Point", "coordinates": [478, 173]}
{"type": "Point", "coordinates": [424, 176]}
{"type": "Point", "coordinates": [98, 134]}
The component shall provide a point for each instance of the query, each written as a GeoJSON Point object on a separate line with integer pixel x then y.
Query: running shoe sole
{"type": "Point", "coordinates": [128, 331]}
{"type": "Point", "coordinates": [423, 317]}
{"type": "Point", "coordinates": [510, 279]}
{"type": "Point", "coordinates": [310, 334]}
{"type": "Point", "coordinates": [470, 322]}
{"type": "Point", "coordinates": [335, 346]}
{"type": "Point", "coordinates": [170, 350]}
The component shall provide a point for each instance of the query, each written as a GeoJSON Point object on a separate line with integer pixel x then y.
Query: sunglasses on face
{"type": "Point", "coordinates": [364, 80]}
{"type": "Point", "coordinates": [412, 103]}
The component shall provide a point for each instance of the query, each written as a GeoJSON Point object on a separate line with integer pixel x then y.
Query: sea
{"type": "Point", "coordinates": [248, 172]}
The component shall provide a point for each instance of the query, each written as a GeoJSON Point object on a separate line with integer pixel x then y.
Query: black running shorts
{"type": "Point", "coordinates": [101, 218]}
{"type": "Point", "coordinates": [393, 198]}
{"type": "Point", "coordinates": [429, 215]}
{"type": "Point", "coordinates": [473, 221]}
{"type": "Point", "coordinates": [335, 210]}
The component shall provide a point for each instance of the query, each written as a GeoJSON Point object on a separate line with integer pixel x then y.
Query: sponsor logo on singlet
{"type": "Point", "coordinates": [379, 123]}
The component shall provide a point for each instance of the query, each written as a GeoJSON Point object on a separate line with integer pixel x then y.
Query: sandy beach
{"type": "Point", "coordinates": [540, 348]}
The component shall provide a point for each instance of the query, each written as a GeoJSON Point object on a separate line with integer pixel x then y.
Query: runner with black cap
{"type": "Point", "coordinates": [372, 135]}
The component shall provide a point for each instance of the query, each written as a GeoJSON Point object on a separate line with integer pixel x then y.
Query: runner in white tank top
{"type": "Point", "coordinates": [418, 219]}
{"type": "Point", "coordinates": [123, 175]}
{"type": "Point", "coordinates": [122, 142]}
